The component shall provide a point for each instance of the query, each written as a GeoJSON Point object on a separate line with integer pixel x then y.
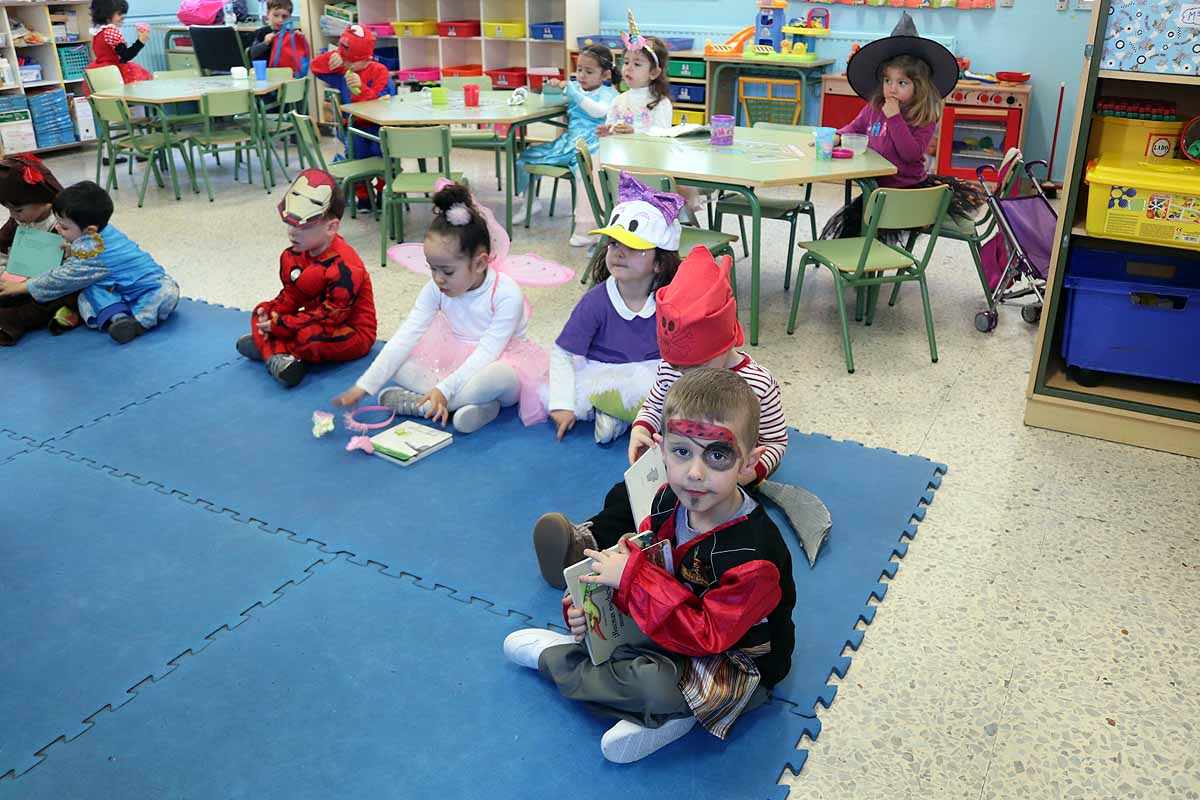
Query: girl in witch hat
{"type": "Point", "coordinates": [903, 78]}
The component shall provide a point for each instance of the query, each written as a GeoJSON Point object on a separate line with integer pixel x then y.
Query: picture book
{"type": "Point", "coordinates": [34, 252]}
{"type": "Point", "coordinates": [682, 129]}
{"type": "Point", "coordinates": [643, 480]}
{"type": "Point", "coordinates": [607, 627]}
{"type": "Point", "coordinates": [409, 442]}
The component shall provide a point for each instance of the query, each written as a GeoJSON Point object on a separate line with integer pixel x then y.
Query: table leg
{"type": "Point", "coordinates": [510, 159]}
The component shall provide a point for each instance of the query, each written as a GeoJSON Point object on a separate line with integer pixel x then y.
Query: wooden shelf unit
{"type": "Point", "coordinates": [36, 17]}
{"type": "Point", "coordinates": [580, 17]}
{"type": "Point", "coordinates": [1144, 412]}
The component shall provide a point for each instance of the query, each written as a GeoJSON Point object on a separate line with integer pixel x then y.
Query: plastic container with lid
{"type": "Point", "coordinates": [1153, 202]}
{"type": "Point", "coordinates": [1131, 138]}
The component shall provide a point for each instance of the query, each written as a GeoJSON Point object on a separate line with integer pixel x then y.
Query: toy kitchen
{"type": "Point", "coordinates": [980, 121]}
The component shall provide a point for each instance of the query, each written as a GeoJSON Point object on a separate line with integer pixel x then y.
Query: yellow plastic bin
{"type": "Point", "coordinates": [415, 27]}
{"type": "Point", "coordinates": [504, 29]}
{"type": "Point", "coordinates": [1154, 202]}
{"type": "Point", "coordinates": [1145, 139]}
{"type": "Point", "coordinates": [682, 115]}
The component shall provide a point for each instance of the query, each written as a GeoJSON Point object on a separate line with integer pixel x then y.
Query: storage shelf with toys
{"type": "Point", "coordinates": [43, 53]}
{"type": "Point", "coordinates": [1115, 357]}
{"type": "Point", "coordinates": [431, 39]}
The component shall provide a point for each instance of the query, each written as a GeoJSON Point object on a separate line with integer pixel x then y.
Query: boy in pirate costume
{"type": "Point", "coordinates": [27, 189]}
{"type": "Point", "coordinates": [326, 310]}
{"type": "Point", "coordinates": [719, 616]}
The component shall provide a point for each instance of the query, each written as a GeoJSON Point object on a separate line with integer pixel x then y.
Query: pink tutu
{"type": "Point", "coordinates": [441, 352]}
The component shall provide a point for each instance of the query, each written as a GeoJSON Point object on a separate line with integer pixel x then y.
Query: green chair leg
{"type": "Point", "coordinates": [553, 196]}
{"type": "Point", "coordinates": [872, 300]}
{"type": "Point", "coordinates": [787, 274]}
{"type": "Point", "coordinates": [383, 229]}
{"type": "Point", "coordinates": [498, 169]}
{"type": "Point", "coordinates": [973, 244]}
{"type": "Point", "coordinates": [574, 194]}
{"type": "Point", "coordinates": [838, 292]}
{"type": "Point", "coordinates": [745, 240]}
{"type": "Point", "coordinates": [531, 191]}
{"type": "Point", "coordinates": [928, 319]}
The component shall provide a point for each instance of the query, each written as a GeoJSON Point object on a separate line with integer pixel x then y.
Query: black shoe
{"type": "Point", "coordinates": [247, 348]}
{"type": "Point", "coordinates": [124, 329]}
{"type": "Point", "coordinates": [287, 369]}
{"type": "Point", "coordinates": [118, 160]}
{"type": "Point", "coordinates": [364, 204]}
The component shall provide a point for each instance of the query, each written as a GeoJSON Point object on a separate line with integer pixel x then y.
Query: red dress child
{"type": "Point", "coordinates": [110, 50]}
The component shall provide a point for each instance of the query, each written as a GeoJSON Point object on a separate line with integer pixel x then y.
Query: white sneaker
{"type": "Point", "coordinates": [627, 742]}
{"type": "Point", "coordinates": [609, 428]}
{"type": "Point", "coordinates": [524, 647]}
{"type": "Point", "coordinates": [471, 418]}
{"type": "Point", "coordinates": [583, 240]}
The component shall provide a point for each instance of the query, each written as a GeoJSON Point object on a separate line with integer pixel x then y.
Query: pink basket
{"type": "Point", "coordinates": [380, 28]}
{"type": "Point", "coordinates": [419, 75]}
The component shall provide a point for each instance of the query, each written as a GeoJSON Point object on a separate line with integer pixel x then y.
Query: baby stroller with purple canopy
{"type": "Point", "coordinates": [1017, 260]}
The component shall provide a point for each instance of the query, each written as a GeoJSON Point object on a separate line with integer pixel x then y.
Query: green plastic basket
{"type": "Point", "coordinates": [74, 59]}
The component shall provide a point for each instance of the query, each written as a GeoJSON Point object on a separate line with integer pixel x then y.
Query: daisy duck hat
{"type": "Point", "coordinates": [643, 218]}
{"type": "Point", "coordinates": [356, 44]}
{"type": "Point", "coordinates": [697, 315]}
{"type": "Point", "coordinates": [307, 200]}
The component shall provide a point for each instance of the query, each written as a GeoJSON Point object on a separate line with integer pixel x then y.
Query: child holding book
{"type": "Point", "coordinates": [122, 289]}
{"type": "Point", "coordinates": [719, 616]}
{"type": "Point", "coordinates": [461, 353]}
{"type": "Point", "coordinates": [697, 327]}
{"type": "Point", "coordinates": [27, 191]}
{"type": "Point", "coordinates": [326, 309]}
{"type": "Point", "coordinates": [604, 361]}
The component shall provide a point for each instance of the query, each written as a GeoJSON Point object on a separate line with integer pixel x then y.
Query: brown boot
{"type": "Point", "coordinates": [559, 543]}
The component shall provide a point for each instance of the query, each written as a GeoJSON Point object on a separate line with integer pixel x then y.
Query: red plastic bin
{"type": "Point", "coordinates": [537, 78]}
{"type": "Point", "coordinates": [459, 28]}
{"type": "Point", "coordinates": [507, 78]}
{"type": "Point", "coordinates": [418, 75]}
{"type": "Point", "coordinates": [463, 71]}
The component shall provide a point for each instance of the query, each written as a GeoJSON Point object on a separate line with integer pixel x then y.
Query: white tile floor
{"type": "Point", "coordinates": [1037, 639]}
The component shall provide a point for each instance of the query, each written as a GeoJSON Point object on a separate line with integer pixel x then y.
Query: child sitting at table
{"type": "Point", "coordinates": [647, 103]}
{"type": "Point", "coordinates": [122, 290]}
{"type": "Point", "coordinates": [326, 309]}
{"type": "Point", "coordinates": [718, 613]}
{"type": "Point", "coordinates": [108, 43]}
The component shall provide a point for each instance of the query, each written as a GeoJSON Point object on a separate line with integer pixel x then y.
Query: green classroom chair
{"type": "Point", "coordinates": [783, 209]}
{"type": "Point", "coordinates": [476, 138]}
{"type": "Point", "coordinates": [118, 135]}
{"type": "Point", "coordinates": [180, 115]}
{"type": "Point", "coordinates": [587, 169]}
{"type": "Point", "coordinates": [101, 79]}
{"type": "Point", "coordinates": [402, 188]}
{"type": "Point", "coordinates": [231, 124]}
{"type": "Point", "coordinates": [556, 173]}
{"type": "Point", "coordinates": [278, 123]}
{"type": "Point", "coordinates": [866, 263]}
{"type": "Point", "coordinates": [347, 173]}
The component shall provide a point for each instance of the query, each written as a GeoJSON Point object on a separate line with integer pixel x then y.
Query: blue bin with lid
{"type": "Point", "coordinates": [1133, 310]}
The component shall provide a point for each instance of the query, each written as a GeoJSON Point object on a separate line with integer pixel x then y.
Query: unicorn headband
{"type": "Point", "coordinates": [635, 41]}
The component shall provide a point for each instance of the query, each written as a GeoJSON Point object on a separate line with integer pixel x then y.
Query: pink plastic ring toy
{"type": "Point", "coordinates": [843, 152]}
{"type": "Point", "coordinates": [356, 425]}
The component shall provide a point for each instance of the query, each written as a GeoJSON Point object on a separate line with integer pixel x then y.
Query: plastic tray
{"type": "Point", "coordinates": [463, 71]}
{"type": "Point", "coordinates": [502, 29]}
{"type": "Point", "coordinates": [507, 78]}
{"type": "Point", "coordinates": [547, 31]}
{"type": "Point", "coordinates": [419, 75]}
{"type": "Point", "coordinates": [687, 93]}
{"type": "Point", "coordinates": [459, 28]}
{"type": "Point", "coordinates": [538, 75]}
{"type": "Point", "coordinates": [682, 115]}
{"type": "Point", "coordinates": [685, 68]}
{"type": "Point", "coordinates": [415, 27]}
{"type": "Point", "coordinates": [1152, 202]}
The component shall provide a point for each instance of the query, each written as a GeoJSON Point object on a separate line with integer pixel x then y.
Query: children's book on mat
{"type": "Point", "coordinates": [409, 442]}
{"type": "Point", "coordinates": [643, 480]}
{"type": "Point", "coordinates": [34, 252]}
{"type": "Point", "coordinates": [607, 627]}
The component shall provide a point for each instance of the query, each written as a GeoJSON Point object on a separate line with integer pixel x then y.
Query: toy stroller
{"type": "Point", "coordinates": [1020, 261]}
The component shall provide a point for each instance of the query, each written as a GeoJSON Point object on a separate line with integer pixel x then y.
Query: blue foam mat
{"type": "Point", "coordinates": [490, 488]}
{"type": "Point", "coordinates": [53, 384]}
{"type": "Point", "coordinates": [359, 685]}
{"type": "Point", "coordinates": [103, 583]}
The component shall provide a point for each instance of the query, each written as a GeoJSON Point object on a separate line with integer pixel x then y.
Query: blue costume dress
{"type": "Point", "coordinates": [586, 111]}
{"type": "Point", "coordinates": [113, 276]}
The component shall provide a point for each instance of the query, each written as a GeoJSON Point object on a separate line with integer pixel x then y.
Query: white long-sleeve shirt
{"type": "Point", "coordinates": [488, 317]}
{"type": "Point", "coordinates": [631, 107]}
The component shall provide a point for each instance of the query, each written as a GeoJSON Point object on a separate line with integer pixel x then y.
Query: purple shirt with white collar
{"type": "Point", "coordinates": [602, 328]}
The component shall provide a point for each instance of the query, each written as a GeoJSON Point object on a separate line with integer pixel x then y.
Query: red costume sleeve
{"type": "Point", "coordinates": [374, 82]}
{"type": "Point", "coordinates": [343, 283]}
{"type": "Point", "coordinates": [675, 618]}
{"type": "Point", "coordinates": [320, 64]}
{"type": "Point", "coordinates": [288, 299]}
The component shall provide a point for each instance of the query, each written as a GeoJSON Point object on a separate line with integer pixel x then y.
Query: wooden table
{"type": "Point", "coordinates": [759, 158]}
{"type": "Point", "coordinates": [493, 109]}
{"type": "Point", "coordinates": [182, 90]}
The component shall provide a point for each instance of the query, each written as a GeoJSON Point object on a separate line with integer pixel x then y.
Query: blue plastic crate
{"type": "Point", "coordinates": [1133, 311]}
{"type": "Point", "coordinates": [611, 42]}
{"type": "Point", "coordinates": [678, 43]}
{"type": "Point", "coordinates": [548, 31]}
{"type": "Point", "coordinates": [389, 57]}
{"type": "Point", "coordinates": [687, 93]}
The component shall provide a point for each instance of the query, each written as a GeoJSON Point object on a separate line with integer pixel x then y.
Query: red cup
{"type": "Point", "coordinates": [471, 94]}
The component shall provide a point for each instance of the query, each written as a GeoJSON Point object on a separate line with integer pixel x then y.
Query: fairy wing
{"type": "Point", "coordinates": [529, 269]}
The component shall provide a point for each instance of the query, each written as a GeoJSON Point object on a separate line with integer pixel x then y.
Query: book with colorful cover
{"type": "Point", "coordinates": [607, 627]}
{"type": "Point", "coordinates": [409, 442]}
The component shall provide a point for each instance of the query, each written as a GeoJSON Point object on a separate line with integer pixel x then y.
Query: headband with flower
{"type": "Point", "coordinates": [634, 41]}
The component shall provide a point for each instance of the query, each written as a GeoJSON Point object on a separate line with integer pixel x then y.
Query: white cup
{"type": "Point", "coordinates": [238, 73]}
{"type": "Point", "coordinates": [855, 142]}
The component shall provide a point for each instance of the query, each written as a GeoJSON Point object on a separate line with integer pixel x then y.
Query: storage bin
{"type": "Point", "coordinates": [388, 56]}
{"type": "Point", "coordinates": [31, 73]}
{"type": "Point", "coordinates": [502, 29]}
{"type": "Point", "coordinates": [676, 44]}
{"type": "Point", "coordinates": [685, 68]}
{"type": "Point", "coordinates": [380, 28]}
{"type": "Point", "coordinates": [459, 28]}
{"type": "Point", "coordinates": [463, 71]}
{"type": "Point", "coordinates": [74, 59]}
{"type": "Point", "coordinates": [345, 13]}
{"type": "Point", "coordinates": [537, 75]}
{"type": "Point", "coordinates": [507, 78]}
{"type": "Point", "coordinates": [611, 42]}
{"type": "Point", "coordinates": [419, 75]}
{"type": "Point", "coordinates": [548, 31]}
{"type": "Point", "coordinates": [687, 93]}
{"type": "Point", "coordinates": [415, 27]}
{"type": "Point", "coordinates": [682, 115]}
{"type": "Point", "coordinates": [1118, 137]}
{"type": "Point", "coordinates": [1133, 311]}
{"type": "Point", "coordinates": [1154, 202]}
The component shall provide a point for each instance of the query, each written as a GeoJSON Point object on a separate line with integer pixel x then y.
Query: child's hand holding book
{"type": "Point", "coordinates": [608, 566]}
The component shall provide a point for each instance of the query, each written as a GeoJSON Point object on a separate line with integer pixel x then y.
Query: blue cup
{"type": "Point", "coordinates": [260, 70]}
{"type": "Point", "coordinates": [824, 142]}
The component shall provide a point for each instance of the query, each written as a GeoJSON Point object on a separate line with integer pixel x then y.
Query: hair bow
{"type": "Point", "coordinates": [635, 41]}
{"type": "Point", "coordinates": [32, 172]}
{"type": "Point", "coordinates": [630, 188]}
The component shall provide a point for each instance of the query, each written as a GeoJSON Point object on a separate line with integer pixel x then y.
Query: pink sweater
{"type": "Point", "coordinates": [900, 143]}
